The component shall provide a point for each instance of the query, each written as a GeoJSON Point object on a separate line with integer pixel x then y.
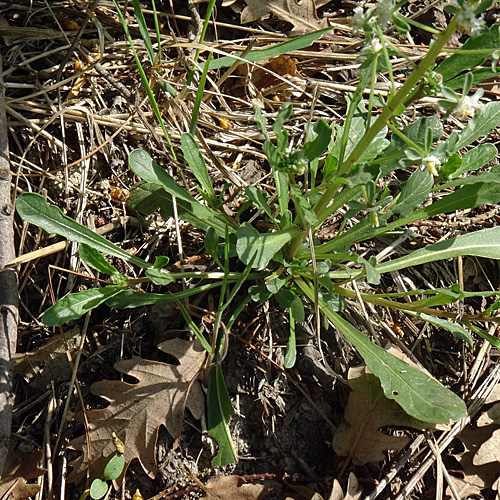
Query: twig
{"type": "Point", "coordinates": [8, 286]}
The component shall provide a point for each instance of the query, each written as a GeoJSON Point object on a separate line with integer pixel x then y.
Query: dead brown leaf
{"type": "Point", "coordinates": [300, 13]}
{"type": "Point", "coordinates": [366, 412]}
{"type": "Point", "coordinates": [354, 490]}
{"type": "Point", "coordinates": [137, 410]}
{"type": "Point", "coordinates": [18, 470]}
{"type": "Point", "coordinates": [476, 476]}
{"type": "Point", "coordinates": [49, 362]}
{"type": "Point", "coordinates": [236, 488]}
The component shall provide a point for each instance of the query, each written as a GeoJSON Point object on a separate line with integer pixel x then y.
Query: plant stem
{"type": "Point", "coordinates": [388, 112]}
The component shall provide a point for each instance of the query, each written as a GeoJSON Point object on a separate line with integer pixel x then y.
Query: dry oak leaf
{"type": "Point", "coordinates": [137, 410]}
{"type": "Point", "coordinates": [367, 410]}
{"type": "Point", "coordinates": [476, 476]}
{"type": "Point", "coordinates": [354, 490]}
{"type": "Point", "coordinates": [236, 488]}
{"type": "Point", "coordinates": [19, 468]}
{"type": "Point", "coordinates": [300, 13]}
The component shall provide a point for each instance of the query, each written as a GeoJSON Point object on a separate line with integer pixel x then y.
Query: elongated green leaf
{"type": "Point", "coordinates": [458, 331]}
{"type": "Point", "coordinates": [484, 243]}
{"type": "Point", "coordinates": [143, 28]}
{"type": "Point", "coordinates": [95, 260]}
{"type": "Point", "coordinates": [300, 42]}
{"type": "Point", "coordinates": [196, 163]}
{"type": "Point", "coordinates": [219, 411]}
{"type": "Point", "coordinates": [160, 277]}
{"type": "Point", "coordinates": [148, 197]}
{"type": "Point", "coordinates": [485, 120]}
{"type": "Point", "coordinates": [420, 395]}
{"type": "Point", "coordinates": [34, 209]}
{"type": "Point", "coordinates": [483, 177]}
{"type": "Point", "coordinates": [459, 62]}
{"type": "Point", "coordinates": [258, 198]}
{"type": "Point", "coordinates": [130, 299]}
{"type": "Point", "coordinates": [75, 305]}
{"type": "Point", "coordinates": [258, 249]}
{"type": "Point", "coordinates": [469, 196]}
{"type": "Point", "coordinates": [476, 158]}
{"type": "Point", "coordinates": [291, 345]}
{"type": "Point", "coordinates": [414, 191]}
{"type": "Point", "coordinates": [494, 341]}
{"type": "Point", "coordinates": [148, 170]}
{"type": "Point", "coordinates": [316, 147]}
{"type": "Point", "coordinates": [478, 76]}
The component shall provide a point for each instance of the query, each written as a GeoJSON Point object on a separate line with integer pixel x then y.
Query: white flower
{"type": "Point", "coordinates": [466, 106]}
{"type": "Point", "coordinates": [468, 22]}
{"type": "Point", "coordinates": [357, 20]}
{"type": "Point", "coordinates": [384, 12]}
{"type": "Point", "coordinates": [375, 44]}
{"type": "Point", "coordinates": [430, 163]}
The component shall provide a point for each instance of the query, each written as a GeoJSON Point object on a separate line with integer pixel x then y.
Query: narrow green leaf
{"type": "Point", "coordinates": [484, 243]}
{"type": "Point", "coordinates": [219, 412]}
{"type": "Point", "coordinates": [414, 191]}
{"type": "Point", "coordinates": [261, 248]}
{"type": "Point", "coordinates": [260, 120]}
{"type": "Point", "coordinates": [148, 170]}
{"type": "Point", "coordinates": [291, 346]}
{"type": "Point", "coordinates": [196, 163]}
{"type": "Point", "coordinates": [297, 308]}
{"type": "Point", "coordinates": [459, 62]}
{"type": "Point", "coordinates": [476, 158]}
{"type": "Point", "coordinates": [494, 341]}
{"type": "Point", "coordinates": [98, 489]}
{"type": "Point", "coordinates": [258, 198]}
{"type": "Point", "coordinates": [484, 121]}
{"type": "Point", "coordinates": [300, 42]}
{"type": "Point", "coordinates": [34, 209]}
{"type": "Point", "coordinates": [160, 277]}
{"type": "Point", "coordinates": [143, 28]}
{"type": "Point", "coordinates": [75, 305]}
{"type": "Point", "coordinates": [469, 196]}
{"type": "Point", "coordinates": [420, 395]}
{"type": "Point", "coordinates": [114, 468]}
{"type": "Point", "coordinates": [458, 331]}
{"type": "Point", "coordinates": [212, 243]}
{"type": "Point", "coordinates": [95, 260]}
{"type": "Point", "coordinates": [315, 148]}
{"type": "Point", "coordinates": [130, 299]}
{"type": "Point", "coordinates": [148, 197]}
{"type": "Point", "coordinates": [481, 177]}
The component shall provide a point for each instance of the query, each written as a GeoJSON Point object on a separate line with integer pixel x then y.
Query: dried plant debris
{"type": "Point", "coordinates": [137, 410]}
{"type": "Point", "coordinates": [300, 13]}
{"type": "Point", "coordinates": [49, 362]}
{"type": "Point", "coordinates": [367, 411]}
{"type": "Point", "coordinates": [480, 460]}
{"type": "Point", "coordinates": [354, 490]}
{"type": "Point", "coordinates": [236, 488]}
{"type": "Point", "coordinates": [20, 467]}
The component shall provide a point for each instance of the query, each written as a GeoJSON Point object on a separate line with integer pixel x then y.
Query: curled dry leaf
{"type": "Point", "coordinates": [300, 13]}
{"type": "Point", "coordinates": [236, 488]}
{"type": "Point", "coordinates": [137, 410]}
{"type": "Point", "coordinates": [366, 412]}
